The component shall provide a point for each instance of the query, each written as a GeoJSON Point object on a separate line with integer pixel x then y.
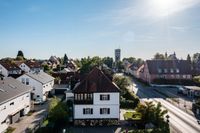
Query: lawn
{"type": "Point", "coordinates": [132, 116]}
{"type": "Point", "coordinates": [10, 130]}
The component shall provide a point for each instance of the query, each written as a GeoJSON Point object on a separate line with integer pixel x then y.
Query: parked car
{"type": "Point", "coordinates": [38, 101]}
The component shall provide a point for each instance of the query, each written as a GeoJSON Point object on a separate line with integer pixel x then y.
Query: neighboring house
{"type": "Point", "coordinates": [30, 66]}
{"type": "Point", "coordinates": [133, 70]}
{"type": "Point", "coordinates": [41, 84]}
{"type": "Point", "coordinates": [96, 98]}
{"type": "Point", "coordinates": [165, 69]}
{"type": "Point", "coordinates": [14, 101]}
{"type": "Point", "coordinates": [9, 69]}
{"type": "Point", "coordinates": [126, 65]}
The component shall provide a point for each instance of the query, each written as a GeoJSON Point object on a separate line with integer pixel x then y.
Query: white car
{"type": "Point", "coordinates": [38, 101]}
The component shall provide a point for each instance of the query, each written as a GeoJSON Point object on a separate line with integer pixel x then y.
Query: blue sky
{"type": "Point", "coordinates": [80, 28]}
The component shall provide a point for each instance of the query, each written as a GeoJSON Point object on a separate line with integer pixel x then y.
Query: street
{"type": "Point", "coordinates": [179, 120]}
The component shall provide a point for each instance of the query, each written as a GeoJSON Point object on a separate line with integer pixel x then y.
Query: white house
{"type": "Point", "coordinates": [30, 66]}
{"type": "Point", "coordinates": [14, 101]}
{"type": "Point", "coordinates": [96, 98]}
{"type": "Point", "coordinates": [7, 69]}
{"type": "Point", "coordinates": [41, 84]}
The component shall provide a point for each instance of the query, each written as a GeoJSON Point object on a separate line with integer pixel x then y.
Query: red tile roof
{"type": "Point", "coordinates": [9, 66]}
{"type": "Point", "coordinates": [184, 66]}
{"type": "Point", "coordinates": [96, 81]}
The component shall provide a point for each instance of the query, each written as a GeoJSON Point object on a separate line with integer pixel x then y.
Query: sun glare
{"type": "Point", "coordinates": [164, 7]}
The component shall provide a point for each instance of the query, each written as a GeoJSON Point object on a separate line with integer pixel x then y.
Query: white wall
{"type": "Point", "coordinates": [40, 89]}
{"type": "Point", "coordinates": [114, 99]}
{"type": "Point", "coordinates": [113, 104]}
{"type": "Point", "coordinates": [33, 84]}
{"type": "Point", "coordinates": [114, 112]}
{"type": "Point", "coordinates": [21, 102]}
{"type": "Point", "coordinates": [24, 67]}
{"type": "Point", "coordinates": [3, 71]}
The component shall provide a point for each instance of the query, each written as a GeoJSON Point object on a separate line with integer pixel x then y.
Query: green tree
{"type": "Point", "coordinates": [20, 56]}
{"type": "Point", "coordinates": [65, 59]}
{"type": "Point", "coordinates": [58, 111]}
{"type": "Point", "coordinates": [159, 56]}
{"type": "Point", "coordinates": [152, 113]}
{"type": "Point", "coordinates": [189, 58]}
{"type": "Point", "coordinates": [108, 61]}
{"type": "Point", "coordinates": [122, 82]}
{"type": "Point", "coordinates": [87, 64]}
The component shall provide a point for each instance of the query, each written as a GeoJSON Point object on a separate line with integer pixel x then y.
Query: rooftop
{"type": "Point", "coordinates": [11, 88]}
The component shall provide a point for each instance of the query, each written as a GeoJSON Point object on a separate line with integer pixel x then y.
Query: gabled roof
{"type": "Point", "coordinates": [33, 64]}
{"type": "Point", "coordinates": [96, 81]}
{"type": "Point", "coordinates": [9, 66]}
{"type": "Point", "coordinates": [183, 66]}
{"type": "Point", "coordinates": [41, 77]}
{"type": "Point", "coordinates": [11, 88]}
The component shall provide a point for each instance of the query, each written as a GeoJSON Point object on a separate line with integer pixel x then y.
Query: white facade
{"type": "Point", "coordinates": [39, 90]}
{"type": "Point", "coordinates": [11, 107]}
{"type": "Point", "coordinates": [3, 71]}
{"type": "Point", "coordinates": [24, 67]}
{"type": "Point", "coordinates": [27, 69]}
{"type": "Point", "coordinates": [112, 104]}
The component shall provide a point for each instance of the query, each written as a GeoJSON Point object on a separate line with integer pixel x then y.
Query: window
{"type": "Point", "coordinates": [177, 70]}
{"type": "Point", "coordinates": [12, 103]}
{"type": "Point", "coordinates": [87, 111]}
{"type": "Point", "coordinates": [184, 76]}
{"type": "Point", "coordinates": [38, 95]}
{"type": "Point", "coordinates": [159, 70]}
{"type": "Point", "coordinates": [172, 70]}
{"type": "Point", "coordinates": [104, 111]}
{"type": "Point", "coordinates": [27, 81]}
{"type": "Point", "coordinates": [81, 97]}
{"type": "Point", "coordinates": [165, 70]}
{"type": "Point", "coordinates": [23, 80]}
{"type": "Point", "coordinates": [105, 97]}
{"type": "Point", "coordinates": [188, 76]}
{"type": "Point", "coordinates": [33, 88]}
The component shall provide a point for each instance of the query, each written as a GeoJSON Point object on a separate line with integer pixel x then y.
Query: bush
{"type": "Point", "coordinates": [127, 104]}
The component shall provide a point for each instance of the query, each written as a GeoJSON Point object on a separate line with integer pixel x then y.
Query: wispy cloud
{"type": "Point", "coordinates": [143, 11]}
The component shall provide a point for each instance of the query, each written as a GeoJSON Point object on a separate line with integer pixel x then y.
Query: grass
{"type": "Point", "coordinates": [45, 123]}
{"type": "Point", "coordinates": [132, 116]}
{"type": "Point", "coordinates": [10, 130]}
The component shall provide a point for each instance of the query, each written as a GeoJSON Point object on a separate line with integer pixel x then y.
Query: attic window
{"type": "Point", "coordinates": [172, 70]}
{"type": "Point", "coordinates": [159, 70]}
{"type": "Point", "coordinates": [165, 70]}
{"type": "Point", "coordinates": [177, 70]}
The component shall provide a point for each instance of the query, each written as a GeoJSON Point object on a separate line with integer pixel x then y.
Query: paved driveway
{"type": "Point", "coordinates": [33, 120]}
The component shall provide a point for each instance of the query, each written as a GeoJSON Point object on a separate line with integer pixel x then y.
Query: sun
{"type": "Point", "coordinates": [164, 7]}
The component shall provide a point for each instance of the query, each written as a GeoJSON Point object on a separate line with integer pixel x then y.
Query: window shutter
{"type": "Point", "coordinates": [91, 111]}
{"type": "Point", "coordinates": [108, 111]}
{"type": "Point", "coordinates": [100, 97]}
{"type": "Point", "coordinates": [108, 97]}
{"type": "Point", "coordinates": [83, 111]}
{"type": "Point", "coordinates": [100, 111]}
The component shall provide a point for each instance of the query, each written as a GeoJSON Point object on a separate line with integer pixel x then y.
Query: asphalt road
{"type": "Point", "coordinates": [180, 120]}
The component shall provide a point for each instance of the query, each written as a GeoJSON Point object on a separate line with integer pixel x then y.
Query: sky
{"type": "Point", "coordinates": [81, 28]}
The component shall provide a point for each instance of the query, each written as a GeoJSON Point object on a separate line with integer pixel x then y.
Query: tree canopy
{"type": "Point", "coordinates": [159, 56]}
{"type": "Point", "coordinates": [20, 55]}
